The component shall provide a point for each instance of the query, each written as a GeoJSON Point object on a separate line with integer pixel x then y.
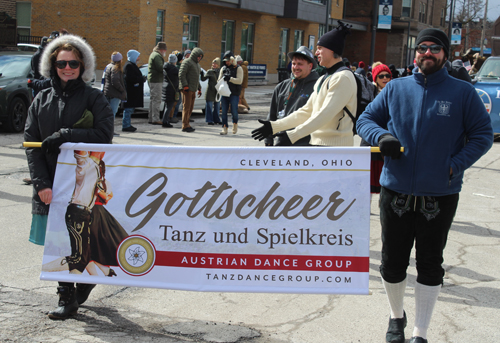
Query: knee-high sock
{"type": "Point", "coordinates": [425, 299]}
{"type": "Point", "coordinates": [395, 295]}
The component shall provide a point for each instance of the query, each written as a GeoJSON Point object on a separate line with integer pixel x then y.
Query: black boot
{"type": "Point", "coordinates": [82, 292]}
{"type": "Point", "coordinates": [67, 303]}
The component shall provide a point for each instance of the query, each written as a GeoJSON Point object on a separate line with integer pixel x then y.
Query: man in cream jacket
{"type": "Point", "coordinates": [323, 116]}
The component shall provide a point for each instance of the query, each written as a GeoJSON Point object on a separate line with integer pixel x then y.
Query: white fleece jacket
{"type": "Point", "coordinates": [323, 116]}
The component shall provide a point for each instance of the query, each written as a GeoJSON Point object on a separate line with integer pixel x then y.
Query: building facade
{"type": "Point", "coordinates": [396, 44]}
{"type": "Point", "coordinates": [261, 31]}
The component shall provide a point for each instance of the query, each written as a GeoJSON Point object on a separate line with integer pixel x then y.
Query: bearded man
{"type": "Point", "coordinates": [444, 127]}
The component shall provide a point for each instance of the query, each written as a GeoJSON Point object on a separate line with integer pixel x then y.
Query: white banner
{"type": "Point", "coordinates": [288, 220]}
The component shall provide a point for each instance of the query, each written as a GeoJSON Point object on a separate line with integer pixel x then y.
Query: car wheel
{"type": "Point", "coordinates": [17, 115]}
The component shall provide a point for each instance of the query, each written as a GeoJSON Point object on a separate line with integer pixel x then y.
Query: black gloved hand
{"type": "Point", "coordinates": [30, 83]}
{"type": "Point", "coordinates": [264, 131]}
{"type": "Point", "coordinates": [227, 78]}
{"type": "Point", "coordinates": [51, 144]}
{"type": "Point", "coordinates": [390, 146]}
{"type": "Point", "coordinates": [283, 139]}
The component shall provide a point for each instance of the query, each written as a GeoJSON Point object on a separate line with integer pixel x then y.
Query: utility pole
{"type": "Point", "coordinates": [484, 27]}
{"type": "Point", "coordinates": [374, 31]}
{"type": "Point", "coordinates": [327, 15]}
{"type": "Point", "coordinates": [450, 22]}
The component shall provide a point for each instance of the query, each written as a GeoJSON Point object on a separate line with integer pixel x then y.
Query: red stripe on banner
{"type": "Point", "coordinates": [262, 262]}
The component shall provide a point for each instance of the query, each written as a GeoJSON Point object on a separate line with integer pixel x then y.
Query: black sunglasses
{"type": "Point", "coordinates": [73, 64]}
{"type": "Point", "coordinates": [384, 76]}
{"type": "Point", "coordinates": [422, 48]}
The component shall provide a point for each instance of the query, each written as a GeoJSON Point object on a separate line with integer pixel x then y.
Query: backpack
{"type": "Point", "coordinates": [365, 95]}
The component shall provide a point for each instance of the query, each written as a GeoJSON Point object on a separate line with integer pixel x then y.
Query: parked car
{"type": "Point", "coordinates": [27, 47]}
{"type": "Point", "coordinates": [15, 96]}
{"type": "Point", "coordinates": [199, 103]}
{"type": "Point", "coordinates": [487, 83]}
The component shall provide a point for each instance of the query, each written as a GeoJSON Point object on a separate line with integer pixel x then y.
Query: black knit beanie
{"type": "Point", "coordinates": [436, 36]}
{"type": "Point", "coordinates": [335, 39]}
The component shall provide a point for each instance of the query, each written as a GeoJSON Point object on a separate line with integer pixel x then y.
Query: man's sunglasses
{"type": "Point", "coordinates": [384, 76]}
{"type": "Point", "coordinates": [73, 64]}
{"type": "Point", "coordinates": [422, 48]}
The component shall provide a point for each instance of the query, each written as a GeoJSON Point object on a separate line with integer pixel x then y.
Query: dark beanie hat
{"type": "Point", "coordinates": [435, 36]}
{"type": "Point", "coordinates": [335, 39]}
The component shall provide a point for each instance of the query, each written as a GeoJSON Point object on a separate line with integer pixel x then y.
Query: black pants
{"type": "Point", "coordinates": [78, 220]}
{"type": "Point", "coordinates": [406, 219]}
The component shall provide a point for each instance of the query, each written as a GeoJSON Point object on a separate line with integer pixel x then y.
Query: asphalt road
{"type": "Point", "coordinates": [467, 310]}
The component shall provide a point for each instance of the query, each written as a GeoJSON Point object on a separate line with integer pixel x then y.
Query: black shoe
{"type": "Point", "coordinates": [188, 129]}
{"type": "Point", "coordinates": [210, 123]}
{"type": "Point", "coordinates": [418, 340]}
{"type": "Point", "coordinates": [396, 331]}
{"type": "Point", "coordinates": [129, 129]}
{"type": "Point", "coordinates": [82, 292]}
{"type": "Point", "coordinates": [166, 125]}
{"type": "Point", "coordinates": [115, 134]}
{"type": "Point", "coordinates": [67, 303]}
{"type": "Point", "coordinates": [191, 120]}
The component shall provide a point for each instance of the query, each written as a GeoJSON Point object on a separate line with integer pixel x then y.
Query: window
{"type": "Point", "coordinates": [298, 39]}
{"type": "Point", "coordinates": [23, 16]}
{"type": "Point", "coordinates": [422, 14]}
{"type": "Point", "coordinates": [227, 36]}
{"type": "Point", "coordinates": [406, 9]}
{"type": "Point", "coordinates": [321, 2]}
{"type": "Point", "coordinates": [283, 48]}
{"type": "Point", "coordinates": [442, 20]}
{"type": "Point", "coordinates": [247, 32]}
{"type": "Point", "coordinates": [321, 30]}
{"type": "Point", "coordinates": [160, 15]}
{"type": "Point", "coordinates": [190, 31]}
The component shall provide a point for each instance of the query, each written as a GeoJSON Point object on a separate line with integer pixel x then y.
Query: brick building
{"type": "Point", "coordinates": [409, 17]}
{"type": "Point", "coordinates": [262, 31]}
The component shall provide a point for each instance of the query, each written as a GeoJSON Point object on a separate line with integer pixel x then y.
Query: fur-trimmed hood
{"type": "Point", "coordinates": [47, 69]}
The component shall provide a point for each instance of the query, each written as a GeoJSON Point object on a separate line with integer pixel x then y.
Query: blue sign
{"type": "Point", "coordinates": [257, 70]}
{"type": "Point", "coordinates": [489, 92]}
{"type": "Point", "coordinates": [456, 34]}
{"type": "Point", "coordinates": [384, 14]}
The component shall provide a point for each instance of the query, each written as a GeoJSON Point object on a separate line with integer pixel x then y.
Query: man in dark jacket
{"type": "Point", "coordinates": [431, 115]}
{"type": "Point", "coordinates": [293, 93]}
{"type": "Point", "coordinates": [457, 70]}
{"type": "Point", "coordinates": [155, 81]}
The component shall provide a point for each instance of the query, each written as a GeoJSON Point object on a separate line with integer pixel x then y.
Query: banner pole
{"type": "Point", "coordinates": [39, 144]}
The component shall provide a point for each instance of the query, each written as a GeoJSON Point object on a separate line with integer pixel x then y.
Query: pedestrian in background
{"type": "Point", "coordinates": [114, 86]}
{"type": "Point", "coordinates": [180, 58]}
{"type": "Point", "coordinates": [189, 84]}
{"type": "Point", "coordinates": [242, 104]}
{"type": "Point", "coordinates": [155, 82]}
{"type": "Point", "coordinates": [170, 93]}
{"type": "Point", "coordinates": [212, 106]}
{"type": "Point", "coordinates": [232, 73]}
{"type": "Point", "coordinates": [134, 85]}
{"type": "Point", "coordinates": [69, 111]}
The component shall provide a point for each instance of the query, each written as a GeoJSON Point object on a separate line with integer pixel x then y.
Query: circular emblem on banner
{"type": "Point", "coordinates": [136, 255]}
{"type": "Point", "coordinates": [486, 99]}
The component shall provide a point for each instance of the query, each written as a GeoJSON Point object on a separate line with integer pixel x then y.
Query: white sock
{"type": "Point", "coordinates": [425, 299]}
{"type": "Point", "coordinates": [395, 294]}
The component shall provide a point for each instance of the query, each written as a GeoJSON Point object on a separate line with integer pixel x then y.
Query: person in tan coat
{"type": "Point", "coordinates": [242, 104]}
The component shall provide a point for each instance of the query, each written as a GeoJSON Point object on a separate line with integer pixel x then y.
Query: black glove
{"type": "Point", "coordinates": [51, 144]}
{"type": "Point", "coordinates": [390, 146]}
{"type": "Point", "coordinates": [201, 73]}
{"type": "Point", "coordinates": [283, 139]}
{"type": "Point", "coordinates": [264, 131]}
{"type": "Point", "coordinates": [30, 83]}
{"type": "Point", "coordinates": [227, 78]}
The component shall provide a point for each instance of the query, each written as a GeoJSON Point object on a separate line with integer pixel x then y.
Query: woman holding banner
{"type": "Point", "coordinates": [68, 111]}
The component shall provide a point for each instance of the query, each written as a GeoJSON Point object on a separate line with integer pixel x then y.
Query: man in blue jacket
{"type": "Point", "coordinates": [444, 128]}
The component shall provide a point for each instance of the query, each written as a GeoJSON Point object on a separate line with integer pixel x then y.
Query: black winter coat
{"type": "Point", "coordinates": [55, 109]}
{"type": "Point", "coordinates": [134, 84]}
{"type": "Point", "coordinates": [169, 88]}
